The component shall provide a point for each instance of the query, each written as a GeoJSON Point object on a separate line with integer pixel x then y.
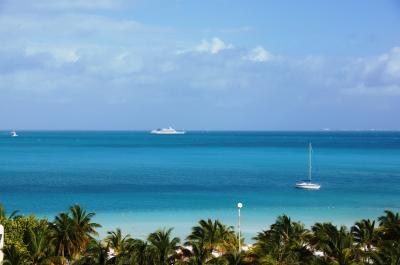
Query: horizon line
{"type": "Point", "coordinates": [206, 130]}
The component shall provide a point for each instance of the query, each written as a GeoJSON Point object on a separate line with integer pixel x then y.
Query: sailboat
{"type": "Point", "coordinates": [307, 184]}
{"type": "Point", "coordinates": [13, 133]}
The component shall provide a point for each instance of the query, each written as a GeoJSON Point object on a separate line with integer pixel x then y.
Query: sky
{"type": "Point", "coordinates": [199, 65]}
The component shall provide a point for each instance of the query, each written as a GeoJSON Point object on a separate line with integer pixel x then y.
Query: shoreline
{"type": "Point", "coordinates": [140, 223]}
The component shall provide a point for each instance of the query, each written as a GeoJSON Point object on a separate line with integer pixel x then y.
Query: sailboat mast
{"type": "Point", "coordinates": [309, 162]}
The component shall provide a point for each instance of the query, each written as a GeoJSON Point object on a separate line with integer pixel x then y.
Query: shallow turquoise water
{"type": "Point", "coordinates": [141, 182]}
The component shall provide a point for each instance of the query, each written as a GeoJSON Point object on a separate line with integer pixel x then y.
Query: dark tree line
{"type": "Point", "coordinates": [71, 238]}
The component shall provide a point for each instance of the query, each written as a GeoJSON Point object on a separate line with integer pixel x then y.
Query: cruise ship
{"type": "Point", "coordinates": [168, 130]}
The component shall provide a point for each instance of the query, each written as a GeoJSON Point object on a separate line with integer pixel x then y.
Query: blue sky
{"type": "Point", "coordinates": [214, 65]}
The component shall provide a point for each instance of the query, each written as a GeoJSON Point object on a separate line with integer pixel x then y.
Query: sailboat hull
{"type": "Point", "coordinates": [308, 186]}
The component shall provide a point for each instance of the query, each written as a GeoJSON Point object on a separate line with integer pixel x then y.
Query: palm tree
{"type": "Point", "coordinates": [63, 236]}
{"type": "Point", "coordinates": [234, 257]}
{"type": "Point", "coordinates": [336, 244]}
{"type": "Point", "coordinates": [213, 235]}
{"type": "Point", "coordinates": [207, 236]}
{"type": "Point", "coordinates": [390, 225]}
{"type": "Point", "coordinates": [229, 240]}
{"type": "Point", "coordinates": [116, 241]}
{"type": "Point", "coordinates": [197, 254]}
{"type": "Point", "coordinates": [285, 242]}
{"type": "Point", "coordinates": [209, 232]}
{"type": "Point", "coordinates": [83, 228]}
{"type": "Point", "coordinates": [365, 235]}
{"type": "Point", "coordinates": [139, 252]}
{"type": "Point", "coordinates": [387, 253]}
{"type": "Point", "coordinates": [387, 249]}
{"type": "Point", "coordinates": [164, 245]}
{"type": "Point", "coordinates": [96, 253]}
{"type": "Point", "coordinates": [71, 233]}
{"type": "Point", "coordinates": [38, 245]}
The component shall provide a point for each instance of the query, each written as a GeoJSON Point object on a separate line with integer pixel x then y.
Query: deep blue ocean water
{"type": "Point", "coordinates": [141, 182]}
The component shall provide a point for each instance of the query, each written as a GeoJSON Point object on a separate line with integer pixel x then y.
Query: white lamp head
{"type": "Point", "coordinates": [239, 205]}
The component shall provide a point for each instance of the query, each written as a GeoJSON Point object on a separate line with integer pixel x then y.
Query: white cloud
{"type": "Point", "coordinates": [98, 49]}
{"type": "Point", "coordinates": [60, 54]}
{"type": "Point", "coordinates": [393, 63]}
{"type": "Point", "coordinates": [387, 65]}
{"type": "Point", "coordinates": [372, 76]}
{"type": "Point", "coordinates": [258, 54]}
{"type": "Point", "coordinates": [214, 46]}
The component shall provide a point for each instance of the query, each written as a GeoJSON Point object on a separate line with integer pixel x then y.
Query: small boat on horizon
{"type": "Point", "coordinates": [307, 184]}
{"type": "Point", "coordinates": [13, 133]}
{"type": "Point", "coordinates": [168, 130]}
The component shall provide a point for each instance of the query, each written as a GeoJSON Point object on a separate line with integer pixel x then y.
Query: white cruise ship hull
{"type": "Point", "coordinates": [163, 132]}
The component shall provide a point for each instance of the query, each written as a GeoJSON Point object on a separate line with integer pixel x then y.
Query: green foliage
{"type": "Point", "coordinates": [117, 241]}
{"type": "Point", "coordinates": [71, 232]}
{"type": "Point", "coordinates": [96, 253]}
{"type": "Point", "coordinates": [139, 252]}
{"type": "Point", "coordinates": [16, 229]}
{"type": "Point", "coordinates": [234, 257]}
{"type": "Point", "coordinates": [207, 236]}
{"type": "Point", "coordinates": [387, 247]}
{"type": "Point", "coordinates": [336, 244]}
{"type": "Point", "coordinates": [390, 226]}
{"type": "Point", "coordinates": [14, 255]}
{"type": "Point", "coordinates": [284, 243]}
{"type": "Point", "coordinates": [164, 246]}
{"type": "Point", "coordinates": [69, 239]}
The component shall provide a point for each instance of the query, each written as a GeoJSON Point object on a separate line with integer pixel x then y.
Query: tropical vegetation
{"type": "Point", "coordinates": [72, 238]}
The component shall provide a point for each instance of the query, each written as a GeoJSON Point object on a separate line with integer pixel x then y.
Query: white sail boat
{"type": "Point", "coordinates": [308, 185]}
{"type": "Point", "coordinates": [13, 133]}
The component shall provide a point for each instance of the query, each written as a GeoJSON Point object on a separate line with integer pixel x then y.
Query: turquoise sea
{"type": "Point", "coordinates": [140, 182]}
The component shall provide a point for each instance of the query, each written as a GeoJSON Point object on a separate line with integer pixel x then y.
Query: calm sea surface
{"type": "Point", "coordinates": [140, 182]}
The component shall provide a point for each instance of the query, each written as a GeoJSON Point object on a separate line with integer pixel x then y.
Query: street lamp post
{"type": "Point", "coordinates": [239, 206]}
